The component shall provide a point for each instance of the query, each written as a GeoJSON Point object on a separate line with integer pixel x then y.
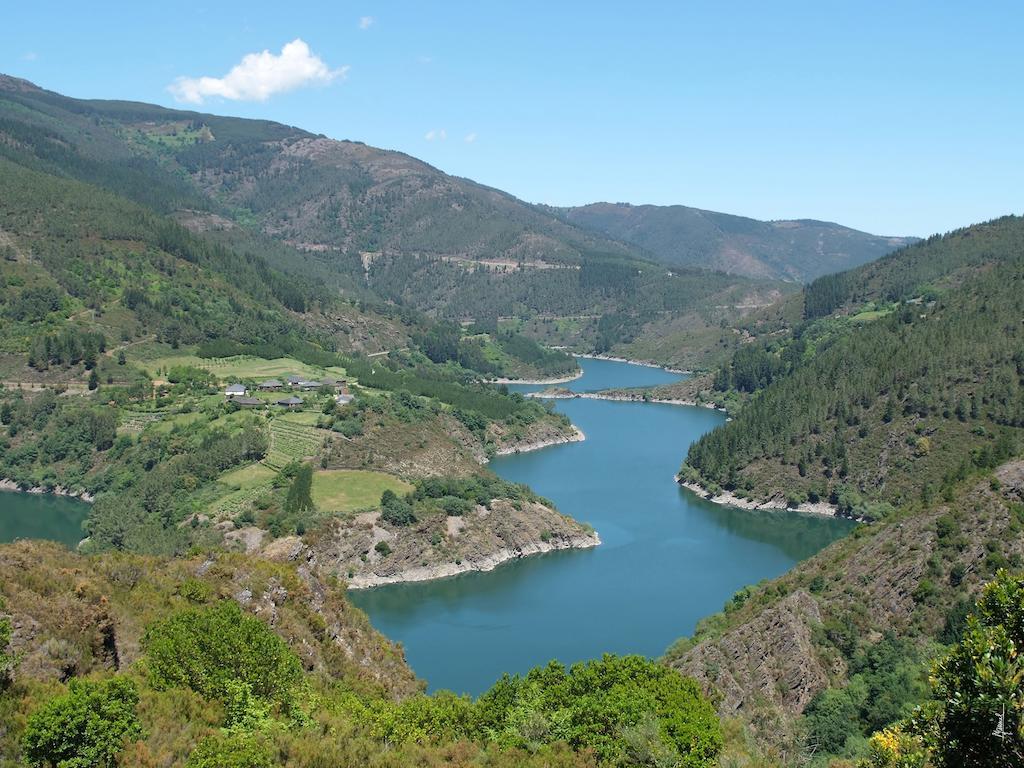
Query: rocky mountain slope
{"type": "Point", "coordinates": [779, 645]}
{"type": "Point", "coordinates": [74, 615]}
{"type": "Point", "coordinates": [799, 250]}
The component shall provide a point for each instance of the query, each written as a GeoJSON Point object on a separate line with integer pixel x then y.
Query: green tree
{"type": "Point", "coordinates": [980, 684]}
{"type": "Point", "coordinates": [86, 727]}
{"type": "Point", "coordinates": [94, 379]}
{"type": "Point", "coordinates": [240, 750]}
{"type": "Point", "coordinates": [7, 658]}
{"type": "Point", "coordinates": [620, 707]}
{"type": "Point", "coordinates": [224, 654]}
{"type": "Point", "coordinates": [300, 493]}
{"type": "Point", "coordinates": [395, 509]}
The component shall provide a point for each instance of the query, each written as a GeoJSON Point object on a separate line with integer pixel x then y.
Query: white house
{"type": "Point", "coordinates": [235, 390]}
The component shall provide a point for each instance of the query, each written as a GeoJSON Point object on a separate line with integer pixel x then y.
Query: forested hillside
{"type": "Point", "coordinates": [143, 323]}
{"type": "Point", "coordinates": [890, 400]}
{"type": "Point", "coordinates": [897, 396]}
{"type": "Point", "coordinates": [369, 223]}
{"type": "Point", "coordinates": [799, 250]}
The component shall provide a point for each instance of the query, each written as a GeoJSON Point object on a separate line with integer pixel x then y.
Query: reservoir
{"type": "Point", "coordinates": [41, 516]}
{"type": "Point", "coordinates": [667, 558]}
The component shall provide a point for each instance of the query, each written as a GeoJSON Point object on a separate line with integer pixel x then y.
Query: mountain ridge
{"type": "Point", "coordinates": [684, 235]}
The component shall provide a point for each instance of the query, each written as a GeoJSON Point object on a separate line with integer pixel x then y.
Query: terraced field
{"type": "Point", "coordinates": [134, 423]}
{"type": "Point", "coordinates": [247, 484]}
{"type": "Point", "coordinates": [292, 442]}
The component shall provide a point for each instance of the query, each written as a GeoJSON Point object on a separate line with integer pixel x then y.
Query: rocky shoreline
{"type": "Point", "coordinates": [365, 551]}
{"type": "Point", "coordinates": [644, 363]}
{"type": "Point", "coordinates": [539, 382]}
{"type": "Point", "coordinates": [729, 499]}
{"type": "Point", "coordinates": [576, 436]}
{"type": "Point", "coordinates": [57, 490]}
{"type": "Point", "coordinates": [482, 564]}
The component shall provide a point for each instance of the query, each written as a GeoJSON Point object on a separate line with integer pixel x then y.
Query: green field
{"type": "Point", "coordinates": [154, 359]}
{"type": "Point", "coordinates": [292, 442]}
{"type": "Point", "coordinates": [246, 484]}
{"type": "Point", "coordinates": [348, 490]}
{"type": "Point", "coordinates": [303, 418]}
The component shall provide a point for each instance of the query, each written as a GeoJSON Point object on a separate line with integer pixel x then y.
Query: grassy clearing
{"type": "Point", "coordinates": [181, 420]}
{"type": "Point", "coordinates": [246, 485]}
{"type": "Point", "coordinates": [347, 490]}
{"type": "Point", "coordinates": [153, 359]}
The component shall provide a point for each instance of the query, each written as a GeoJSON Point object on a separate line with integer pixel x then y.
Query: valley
{"type": "Point", "coordinates": [313, 454]}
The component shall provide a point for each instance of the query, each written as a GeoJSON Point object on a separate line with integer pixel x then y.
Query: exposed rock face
{"type": "Point", "coordinates": [770, 658]}
{"type": "Point", "coordinates": [889, 577]}
{"type": "Point", "coordinates": [539, 435]}
{"type": "Point", "coordinates": [72, 615]}
{"type": "Point", "coordinates": [367, 552]}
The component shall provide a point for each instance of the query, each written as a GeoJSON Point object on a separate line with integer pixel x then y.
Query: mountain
{"type": "Point", "coordinates": [894, 393]}
{"type": "Point", "coordinates": [104, 295]}
{"type": "Point", "coordinates": [911, 382]}
{"type": "Point", "coordinates": [797, 250]}
{"type": "Point", "coordinates": [368, 223]}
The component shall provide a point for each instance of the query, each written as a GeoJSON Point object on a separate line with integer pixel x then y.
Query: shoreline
{"type": "Point", "coordinates": [528, 382]}
{"type": "Point", "coordinates": [622, 399]}
{"type": "Point", "coordinates": [481, 565]}
{"type": "Point", "coordinates": [643, 363]}
{"type": "Point", "coordinates": [38, 490]}
{"type": "Point", "coordinates": [577, 436]}
{"type": "Point", "coordinates": [729, 499]}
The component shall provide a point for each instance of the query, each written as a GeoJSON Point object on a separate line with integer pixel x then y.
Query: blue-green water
{"type": "Point", "coordinates": [41, 516]}
{"type": "Point", "coordinates": [668, 558]}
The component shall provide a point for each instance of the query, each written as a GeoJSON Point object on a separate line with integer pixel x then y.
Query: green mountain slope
{"type": "Point", "coordinates": [144, 323]}
{"type": "Point", "coordinates": [895, 392]}
{"type": "Point", "coordinates": [799, 250]}
{"type": "Point", "coordinates": [890, 402]}
{"type": "Point", "coordinates": [369, 223]}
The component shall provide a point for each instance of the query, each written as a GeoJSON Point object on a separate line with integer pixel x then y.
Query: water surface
{"type": "Point", "coordinates": [41, 516]}
{"type": "Point", "coordinates": [668, 558]}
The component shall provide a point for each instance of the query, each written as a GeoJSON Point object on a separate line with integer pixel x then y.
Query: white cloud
{"type": "Point", "coordinates": [365, 22]}
{"type": "Point", "coordinates": [259, 76]}
{"type": "Point", "coordinates": [436, 134]}
{"type": "Point", "coordinates": [470, 137]}
{"type": "Point", "coordinates": [30, 56]}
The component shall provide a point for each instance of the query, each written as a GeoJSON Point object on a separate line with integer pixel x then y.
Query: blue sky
{"type": "Point", "coordinates": [894, 117]}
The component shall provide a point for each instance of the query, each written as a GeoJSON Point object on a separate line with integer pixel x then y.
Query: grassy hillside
{"type": "Point", "coordinates": [892, 401]}
{"type": "Point", "coordinates": [798, 250]}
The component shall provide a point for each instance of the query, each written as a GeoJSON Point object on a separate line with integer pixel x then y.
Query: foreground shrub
{"type": "Point", "coordinates": [86, 727]}
{"type": "Point", "coordinates": [224, 653]}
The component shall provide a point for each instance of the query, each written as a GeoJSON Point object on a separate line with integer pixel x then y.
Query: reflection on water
{"type": "Point", "coordinates": [41, 516]}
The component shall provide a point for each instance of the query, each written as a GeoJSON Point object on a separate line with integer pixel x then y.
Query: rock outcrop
{"type": "Point", "coordinates": [366, 552]}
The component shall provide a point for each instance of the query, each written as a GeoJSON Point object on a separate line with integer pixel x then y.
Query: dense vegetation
{"type": "Point", "coordinates": [895, 407]}
{"type": "Point", "coordinates": [211, 684]}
